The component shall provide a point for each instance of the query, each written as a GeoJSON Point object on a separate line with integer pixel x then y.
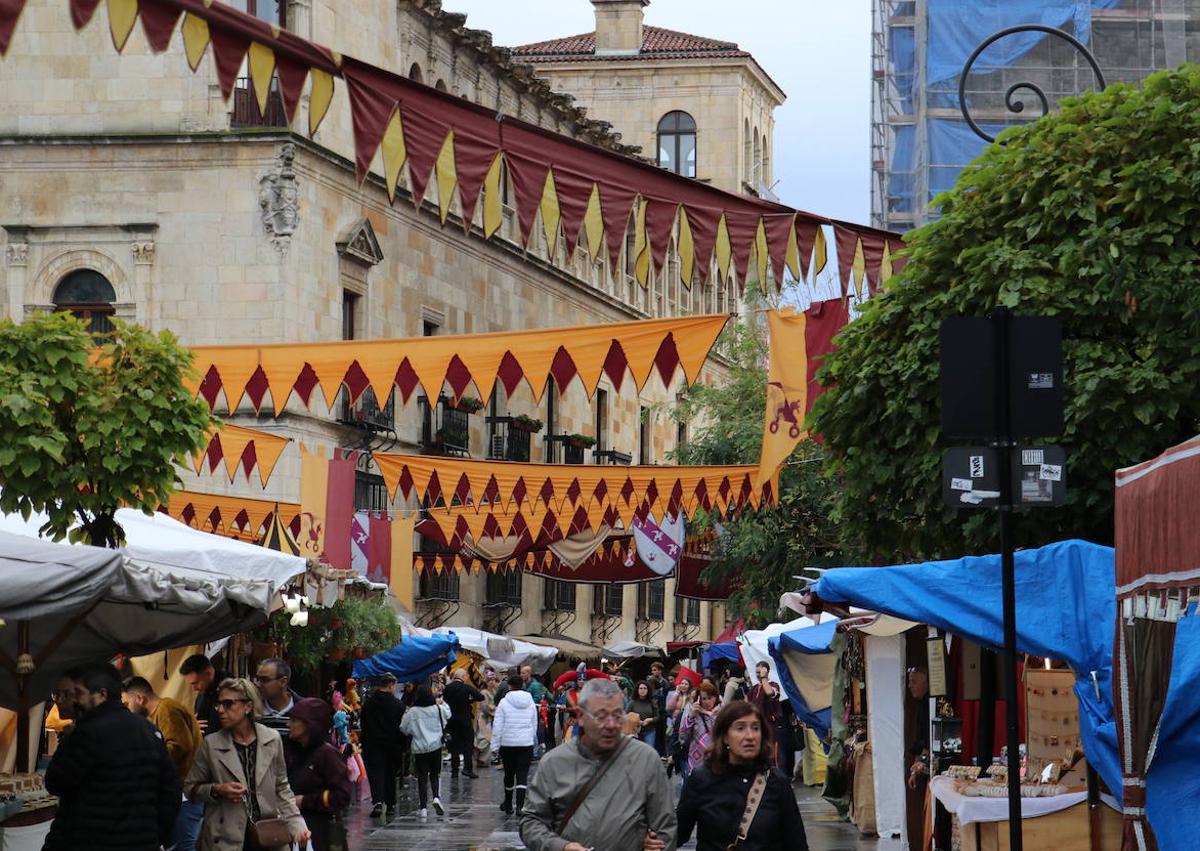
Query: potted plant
{"type": "Point", "coordinates": [524, 422]}
{"type": "Point", "coordinates": [581, 441]}
{"type": "Point", "coordinates": [469, 404]}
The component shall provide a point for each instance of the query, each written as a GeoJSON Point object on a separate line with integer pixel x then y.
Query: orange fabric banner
{"type": "Point", "coordinates": [314, 488]}
{"type": "Point", "coordinates": [787, 389]}
{"type": "Point", "coordinates": [232, 516]}
{"type": "Point", "coordinates": [587, 351]}
{"type": "Point", "coordinates": [242, 447]}
{"type": "Point", "coordinates": [402, 561]}
{"type": "Point", "coordinates": [567, 487]}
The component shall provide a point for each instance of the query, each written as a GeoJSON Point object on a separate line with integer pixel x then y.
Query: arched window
{"type": "Point", "coordinates": [87, 294]}
{"type": "Point", "coordinates": [756, 174]}
{"type": "Point", "coordinates": [747, 154]}
{"type": "Point", "coordinates": [440, 85]}
{"type": "Point", "coordinates": [677, 143]}
{"type": "Point", "coordinates": [414, 73]}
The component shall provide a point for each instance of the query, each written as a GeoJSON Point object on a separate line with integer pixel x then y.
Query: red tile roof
{"type": "Point", "coordinates": [657, 43]}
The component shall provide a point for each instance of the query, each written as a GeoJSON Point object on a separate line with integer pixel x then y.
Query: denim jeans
{"type": "Point", "coordinates": [186, 833]}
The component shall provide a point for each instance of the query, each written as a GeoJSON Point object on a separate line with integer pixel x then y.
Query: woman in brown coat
{"type": "Point", "coordinates": [240, 775]}
{"type": "Point", "coordinates": [316, 771]}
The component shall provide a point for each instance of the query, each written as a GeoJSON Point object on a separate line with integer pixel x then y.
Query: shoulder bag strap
{"type": "Point", "coordinates": [753, 799]}
{"type": "Point", "coordinates": [586, 790]}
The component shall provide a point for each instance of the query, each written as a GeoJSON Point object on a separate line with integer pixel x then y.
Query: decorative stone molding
{"type": "Point", "coordinates": [360, 244]}
{"type": "Point", "coordinates": [143, 252]}
{"type": "Point", "coordinates": [279, 198]}
{"type": "Point", "coordinates": [18, 253]}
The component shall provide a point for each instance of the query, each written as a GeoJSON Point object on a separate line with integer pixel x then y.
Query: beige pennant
{"type": "Point", "coordinates": [122, 15]}
{"type": "Point", "coordinates": [261, 60]}
{"type": "Point", "coordinates": [319, 97]}
{"type": "Point", "coordinates": [195, 39]}
{"type": "Point", "coordinates": [593, 223]}
{"type": "Point", "coordinates": [394, 153]}
{"type": "Point", "coordinates": [551, 215]}
{"type": "Point", "coordinates": [493, 207]}
{"type": "Point", "coordinates": [446, 175]}
{"type": "Point", "coordinates": [686, 246]}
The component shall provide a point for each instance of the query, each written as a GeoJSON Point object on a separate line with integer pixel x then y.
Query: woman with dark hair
{"type": "Point", "coordinates": [736, 799]}
{"type": "Point", "coordinates": [426, 723]}
{"type": "Point", "coordinates": [647, 712]}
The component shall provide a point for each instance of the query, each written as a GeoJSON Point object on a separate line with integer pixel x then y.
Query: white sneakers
{"type": "Point", "coordinates": [437, 807]}
{"type": "Point", "coordinates": [422, 813]}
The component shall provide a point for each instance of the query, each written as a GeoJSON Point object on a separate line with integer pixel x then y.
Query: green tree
{"type": "Point", "coordinates": [764, 549]}
{"type": "Point", "coordinates": [90, 426]}
{"type": "Point", "coordinates": [1092, 215]}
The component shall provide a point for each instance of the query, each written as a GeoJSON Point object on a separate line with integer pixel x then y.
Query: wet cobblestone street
{"type": "Point", "coordinates": [473, 821]}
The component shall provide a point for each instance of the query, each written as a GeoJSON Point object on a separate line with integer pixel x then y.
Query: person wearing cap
{"type": "Point", "coordinates": [316, 771]}
{"type": "Point", "coordinates": [379, 738]}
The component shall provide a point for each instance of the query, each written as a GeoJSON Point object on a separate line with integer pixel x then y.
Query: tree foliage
{"type": "Point", "coordinates": [90, 428]}
{"type": "Point", "coordinates": [1092, 215]}
{"type": "Point", "coordinates": [764, 549]}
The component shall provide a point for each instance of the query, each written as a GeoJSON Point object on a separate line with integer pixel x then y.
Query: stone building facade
{"type": "Point", "coordinates": [131, 181]}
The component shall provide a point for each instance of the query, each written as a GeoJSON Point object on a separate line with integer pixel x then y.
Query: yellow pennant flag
{"type": "Point", "coordinates": [787, 391]}
{"type": "Point", "coordinates": [403, 528]}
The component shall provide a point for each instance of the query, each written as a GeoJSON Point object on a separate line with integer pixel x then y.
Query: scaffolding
{"type": "Point", "coordinates": [919, 140]}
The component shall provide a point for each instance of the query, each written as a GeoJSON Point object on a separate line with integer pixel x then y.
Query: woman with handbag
{"type": "Point", "coordinates": [425, 722]}
{"type": "Point", "coordinates": [317, 773]}
{"type": "Point", "coordinates": [240, 775]}
{"type": "Point", "coordinates": [736, 800]}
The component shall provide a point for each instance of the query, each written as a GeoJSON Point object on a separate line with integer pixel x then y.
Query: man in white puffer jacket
{"type": "Point", "coordinates": [514, 733]}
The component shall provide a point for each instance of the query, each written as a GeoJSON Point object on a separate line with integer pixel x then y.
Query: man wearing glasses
{"type": "Point", "coordinates": [601, 791]}
{"type": "Point", "coordinates": [273, 680]}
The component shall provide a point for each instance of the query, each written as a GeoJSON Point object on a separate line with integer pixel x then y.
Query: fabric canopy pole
{"type": "Point", "coordinates": [1158, 574]}
{"type": "Point", "coordinates": [242, 448]}
{"type": "Point", "coordinates": [458, 146]}
{"type": "Point", "coordinates": [533, 355]}
{"type": "Point", "coordinates": [885, 729]}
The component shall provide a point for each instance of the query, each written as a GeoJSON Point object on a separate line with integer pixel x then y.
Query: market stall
{"type": "Point", "coordinates": [501, 652]}
{"type": "Point", "coordinates": [1064, 600]}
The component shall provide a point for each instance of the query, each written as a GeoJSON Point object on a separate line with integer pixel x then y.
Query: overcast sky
{"type": "Point", "coordinates": [818, 53]}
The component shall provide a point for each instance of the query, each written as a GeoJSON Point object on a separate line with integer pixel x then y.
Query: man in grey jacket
{"type": "Point", "coordinates": [631, 799]}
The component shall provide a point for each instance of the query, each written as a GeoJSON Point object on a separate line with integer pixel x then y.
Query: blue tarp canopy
{"type": "Point", "coordinates": [805, 667]}
{"type": "Point", "coordinates": [414, 658]}
{"type": "Point", "coordinates": [726, 650]}
{"type": "Point", "coordinates": [1066, 609]}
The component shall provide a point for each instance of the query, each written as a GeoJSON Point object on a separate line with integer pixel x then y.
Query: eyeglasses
{"type": "Point", "coordinates": [262, 680]}
{"type": "Point", "coordinates": [228, 705]}
{"type": "Point", "coordinates": [605, 718]}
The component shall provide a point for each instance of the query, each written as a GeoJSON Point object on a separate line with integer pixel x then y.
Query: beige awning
{"type": "Point", "coordinates": [566, 646]}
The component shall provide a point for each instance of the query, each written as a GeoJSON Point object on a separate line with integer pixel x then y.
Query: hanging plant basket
{"type": "Point", "coordinates": [581, 441]}
{"type": "Point", "coordinates": [524, 423]}
{"type": "Point", "coordinates": [469, 405]}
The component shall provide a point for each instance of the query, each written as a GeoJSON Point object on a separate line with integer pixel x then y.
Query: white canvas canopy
{"type": "Point", "coordinates": [169, 586]}
{"type": "Point", "coordinates": [754, 644]}
{"type": "Point", "coordinates": [501, 651]}
{"type": "Point", "coordinates": [631, 650]}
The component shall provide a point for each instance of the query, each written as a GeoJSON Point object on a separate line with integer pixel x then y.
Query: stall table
{"type": "Point", "coordinates": [1058, 823]}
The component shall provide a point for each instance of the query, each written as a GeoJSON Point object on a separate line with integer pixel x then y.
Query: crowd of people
{"type": "Point", "coordinates": [252, 764]}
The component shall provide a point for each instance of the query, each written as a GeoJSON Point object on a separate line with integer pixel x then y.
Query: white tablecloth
{"type": "Point", "coordinates": [24, 838]}
{"type": "Point", "coordinates": [968, 809]}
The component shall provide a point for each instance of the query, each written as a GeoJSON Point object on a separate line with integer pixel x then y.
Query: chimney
{"type": "Point", "coordinates": [619, 26]}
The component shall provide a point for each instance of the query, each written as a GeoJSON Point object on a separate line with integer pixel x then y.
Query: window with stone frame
{"type": "Point", "coordinates": [677, 143]}
{"type": "Point", "coordinates": [271, 11]}
{"type": "Point", "coordinates": [687, 611]}
{"type": "Point", "coordinates": [87, 294]}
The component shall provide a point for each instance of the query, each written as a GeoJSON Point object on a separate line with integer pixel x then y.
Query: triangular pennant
{"type": "Point", "coordinates": [291, 76]}
{"type": "Point", "coordinates": [806, 233]}
{"type": "Point", "coordinates": [858, 269]}
{"type": "Point", "coordinates": [820, 253]}
{"type": "Point", "coordinates": [529, 186]}
{"type": "Point", "coordinates": [722, 249]}
{"type": "Point", "coordinates": [394, 154]}
{"type": "Point", "coordinates": [447, 176]}
{"type": "Point", "coordinates": [551, 217]}
{"type": "Point", "coordinates": [261, 60]}
{"type": "Point", "coordinates": [493, 206]}
{"type": "Point", "coordinates": [686, 247]}
{"type": "Point", "coordinates": [593, 223]}
{"type": "Point", "coordinates": [742, 229]}
{"type": "Point", "coordinates": [122, 15]}
{"type": "Point", "coordinates": [660, 226]}
{"type": "Point", "coordinates": [641, 245]}
{"type": "Point", "coordinates": [424, 137]}
{"type": "Point", "coordinates": [10, 13]}
{"type": "Point", "coordinates": [760, 255]}
{"type": "Point", "coordinates": [616, 203]}
{"type": "Point", "coordinates": [229, 52]}
{"type": "Point", "coordinates": [158, 23]}
{"type": "Point", "coordinates": [703, 223]}
{"type": "Point", "coordinates": [81, 11]}
{"type": "Point", "coordinates": [319, 97]}
{"type": "Point", "coordinates": [873, 248]}
{"type": "Point", "coordinates": [474, 159]}
{"type": "Point", "coordinates": [195, 39]}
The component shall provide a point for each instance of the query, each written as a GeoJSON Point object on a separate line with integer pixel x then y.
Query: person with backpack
{"type": "Point", "coordinates": [426, 722]}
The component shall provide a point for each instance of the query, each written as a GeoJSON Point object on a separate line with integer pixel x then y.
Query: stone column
{"type": "Point", "coordinates": [17, 259]}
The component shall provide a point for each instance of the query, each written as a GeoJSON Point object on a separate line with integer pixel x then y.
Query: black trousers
{"type": "Point", "coordinates": [381, 774]}
{"type": "Point", "coordinates": [516, 771]}
{"type": "Point", "coordinates": [429, 767]}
